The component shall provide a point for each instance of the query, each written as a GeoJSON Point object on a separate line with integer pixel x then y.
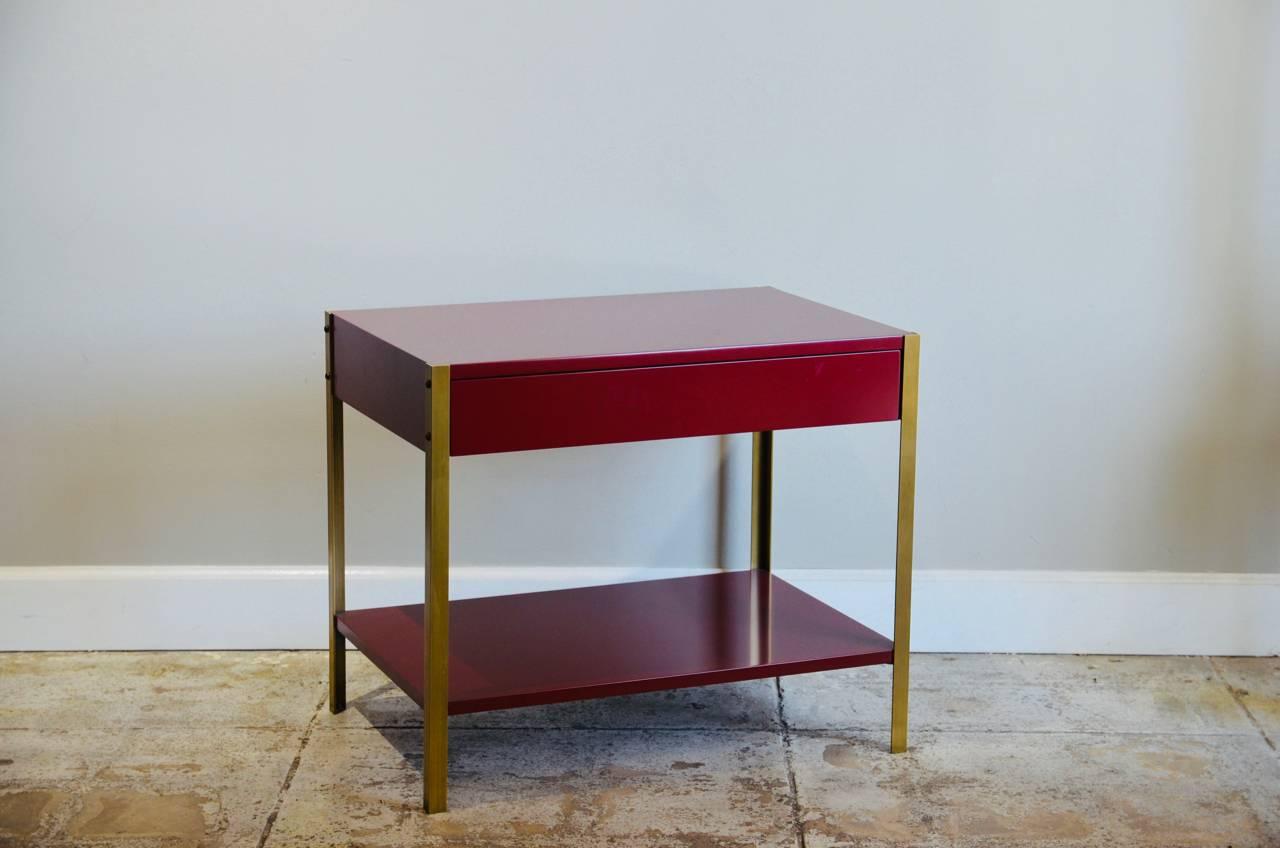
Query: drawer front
{"type": "Point", "coordinates": [491, 415]}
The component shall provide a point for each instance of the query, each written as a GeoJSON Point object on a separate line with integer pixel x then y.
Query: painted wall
{"type": "Point", "coordinates": [1074, 203]}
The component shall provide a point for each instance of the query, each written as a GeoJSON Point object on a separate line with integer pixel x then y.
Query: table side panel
{"type": "Point", "coordinates": [380, 380]}
{"type": "Point", "coordinates": [639, 404]}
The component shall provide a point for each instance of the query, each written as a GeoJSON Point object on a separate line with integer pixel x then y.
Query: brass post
{"type": "Point", "coordinates": [435, 676]}
{"type": "Point", "coordinates": [761, 499]}
{"type": "Point", "coordinates": [337, 529]}
{"type": "Point", "coordinates": [906, 527]}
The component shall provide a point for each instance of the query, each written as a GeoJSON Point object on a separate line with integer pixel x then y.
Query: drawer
{"type": "Point", "coordinates": [530, 412]}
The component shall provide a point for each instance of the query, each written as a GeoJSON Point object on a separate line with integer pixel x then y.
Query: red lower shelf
{"type": "Point", "coordinates": [572, 644]}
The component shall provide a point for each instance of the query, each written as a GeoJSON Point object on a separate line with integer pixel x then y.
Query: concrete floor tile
{"type": "Point", "coordinates": [1255, 681]}
{"type": "Point", "coordinates": [141, 788]}
{"type": "Point", "coordinates": [542, 788]}
{"type": "Point", "coordinates": [186, 749]}
{"type": "Point", "coordinates": [1010, 789]}
{"type": "Point", "coordinates": [752, 705]}
{"type": "Point", "coordinates": [76, 691]}
{"type": "Point", "coordinates": [1003, 692]}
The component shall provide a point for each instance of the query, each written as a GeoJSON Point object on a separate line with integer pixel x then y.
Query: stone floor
{"type": "Point", "coordinates": [237, 749]}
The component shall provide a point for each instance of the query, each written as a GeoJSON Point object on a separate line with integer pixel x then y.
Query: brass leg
{"type": "Point", "coordinates": [762, 545]}
{"type": "Point", "coordinates": [435, 676]}
{"type": "Point", "coordinates": [906, 526]}
{"type": "Point", "coordinates": [337, 531]}
{"type": "Point", "coordinates": [761, 499]}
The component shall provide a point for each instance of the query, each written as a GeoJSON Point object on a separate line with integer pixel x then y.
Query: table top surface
{"type": "Point", "coordinates": [617, 331]}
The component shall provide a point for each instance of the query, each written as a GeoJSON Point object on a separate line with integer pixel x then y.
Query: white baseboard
{"type": "Point", "coordinates": [263, 607]}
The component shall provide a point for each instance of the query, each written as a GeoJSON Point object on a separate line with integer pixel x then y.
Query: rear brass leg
{"type": "Point", "coordinates": [435, 675]}
{"type": "Point", "coordinates": [337, 530]}
{"type": "Point", "coordinates": [762, 500]}
{"type": "Point", "coordinates": [761, 546]}
{"type": "Point", "coordinates": [906, 526]}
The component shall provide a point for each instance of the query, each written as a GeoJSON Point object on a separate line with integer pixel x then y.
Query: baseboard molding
{"type": "Point", "coordinates": [49, 608]}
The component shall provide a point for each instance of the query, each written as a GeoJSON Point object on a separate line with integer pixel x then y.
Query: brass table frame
{"type": "Point", "coordinates": [435, 710]}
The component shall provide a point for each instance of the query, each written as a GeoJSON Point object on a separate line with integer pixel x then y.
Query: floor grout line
{"type": "Point", "coordinates": [797, 821]}
{"type": "Point", "coordinates": [791, 730]}
{"type": "Point", "coordinates": [293, 769]}
{"type": "Point", "coordinates": [573, 728]}
{"type": "Point", "coordinates": [1236, 695]}
{"type": "Point", "coordinates": [822, 731]}
{"type": "Point", "coordinates": [271, 728]}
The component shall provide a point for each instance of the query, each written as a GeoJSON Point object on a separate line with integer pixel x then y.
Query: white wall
{"type": "Point", "coordinates": [1068, 200]}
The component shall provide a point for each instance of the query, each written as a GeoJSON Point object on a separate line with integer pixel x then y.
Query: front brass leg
{"type": "Point", "coordinates": [906, 529]}
{"type": "Point", "coordinates": [435, 675]}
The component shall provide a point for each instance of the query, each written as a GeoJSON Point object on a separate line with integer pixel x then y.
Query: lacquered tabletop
{"type": "Point", "coordinates": [614, 331]}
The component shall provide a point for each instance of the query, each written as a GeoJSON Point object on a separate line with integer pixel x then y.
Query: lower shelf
{"type": "Point", "coordinates": [572, 644]}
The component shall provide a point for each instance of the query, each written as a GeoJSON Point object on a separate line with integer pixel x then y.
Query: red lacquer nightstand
{"type": "Point", "coordinates": [525, 375]}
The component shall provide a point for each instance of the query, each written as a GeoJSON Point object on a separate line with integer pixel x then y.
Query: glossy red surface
{"type": "Point", "coordinates": [621, 331]}
{"type": "Point", "coordinates": [635, 404]}
{"type": "Point", "coordinates": [380, 380]}
{"type": "Point", "coordinates": [547, 647]}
